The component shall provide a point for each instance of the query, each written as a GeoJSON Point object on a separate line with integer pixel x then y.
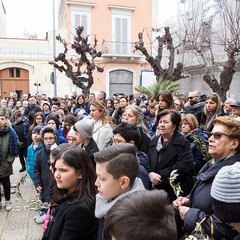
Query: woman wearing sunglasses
{"type": "Point", "coordinates": [224, 147]}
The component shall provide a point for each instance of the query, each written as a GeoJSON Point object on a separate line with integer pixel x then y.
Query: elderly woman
{"type": "Point", "coordinates": [133, 114]}
{"type": "Point", "coordinates": [224, 148]}
{"type": "Point", "coordinates": [102, 133]}
{"type": "Point", "coordinates": [170, 151]}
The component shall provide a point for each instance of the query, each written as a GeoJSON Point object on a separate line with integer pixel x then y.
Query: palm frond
{"type": "Point", "coordinates": [159, 86]}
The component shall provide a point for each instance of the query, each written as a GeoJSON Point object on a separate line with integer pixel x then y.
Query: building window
{"type": "Point", "coordinates": [18, 71]}
{"type": "Point", "coordinates": [121, 30]}
{"type": "Point", "coordinates": [120, 81]}
{"type": "Point", "coordinates": [11, 72]}
{"type": "Point", "coordinates": [81, 16]}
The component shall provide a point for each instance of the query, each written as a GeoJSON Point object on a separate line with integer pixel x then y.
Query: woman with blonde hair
{"type": "Point", "coordinates": [212, 109]}
{"type": "Point", "coordinates": [102, 133]}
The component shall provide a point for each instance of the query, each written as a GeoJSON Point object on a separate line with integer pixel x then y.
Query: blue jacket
{"type": "Point", "coordinates": [31, 157]}
{"type": "Point", "coordinates": [62, 139]}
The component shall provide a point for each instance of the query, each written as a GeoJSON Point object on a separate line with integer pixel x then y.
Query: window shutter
{"type": "Point", "coordinates": [84, 24]}
{"type": "Point", "coordinates": [77, 21]}
{"type": "Point", "coordinates": [124, 35]}
{"type": "Point", "coordinates": [118, 35]}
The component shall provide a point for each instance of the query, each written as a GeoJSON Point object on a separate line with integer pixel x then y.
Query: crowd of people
{"type": "Point", "coordinates": [105, 166]}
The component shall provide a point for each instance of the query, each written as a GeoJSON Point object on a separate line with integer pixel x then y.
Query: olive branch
{"type": "Point", "coordinates": [201, 144]}
{"type": "Point", "coordinates": [198, 230]}
{"type": "Point", "coordinates": [33, 204]}
{"type": "Point", "coordinates": [172, 180]}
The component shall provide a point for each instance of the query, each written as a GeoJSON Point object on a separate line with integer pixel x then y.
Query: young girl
{"type": "Point", "coordinates": [33, 150]}
{"type": "Point", "coordinates": [72, 207]}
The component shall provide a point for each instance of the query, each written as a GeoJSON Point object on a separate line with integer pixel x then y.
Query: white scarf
{"type": "Point", "coordinates": [103, 206]}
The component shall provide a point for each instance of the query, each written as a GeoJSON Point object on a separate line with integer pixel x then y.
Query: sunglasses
{"type": "Point", "coordinates": [217, 135]}
{"type": "Point", "coordinates": [192, 97]}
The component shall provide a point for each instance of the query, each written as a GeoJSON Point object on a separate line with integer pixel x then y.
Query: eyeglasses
{"type": "Point", "coordinates": [48, 139]}
{"type": "Point", "coordinates": [72, 139]}
{"type": "Point", "coordinates": [192, 97]}
{"type": "Point", "coordinates": [217, 135]}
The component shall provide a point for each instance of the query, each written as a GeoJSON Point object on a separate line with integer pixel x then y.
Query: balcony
{"type": "Point", "coordinates": [120, 50]}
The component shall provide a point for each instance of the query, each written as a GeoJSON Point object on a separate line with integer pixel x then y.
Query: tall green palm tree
{"type": "Point", "coordinates": [155, 89]}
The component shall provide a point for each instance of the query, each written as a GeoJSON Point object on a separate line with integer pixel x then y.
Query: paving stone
{"type": "Point", "coordinates": [18, 224]}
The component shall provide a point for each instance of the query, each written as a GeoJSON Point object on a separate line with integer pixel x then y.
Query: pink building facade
{"type": "Point", "coordinates": [116, 24]}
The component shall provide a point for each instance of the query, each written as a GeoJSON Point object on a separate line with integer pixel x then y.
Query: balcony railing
{"type": "Point", "coordinates": [119, 49]}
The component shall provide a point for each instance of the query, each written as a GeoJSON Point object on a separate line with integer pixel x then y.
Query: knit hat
{"type": "Point", "coordinates": [38, 128]}
{"type": "Point", "coordinates": [85, 127]}
{"type": "Point", "coordinates": [55, 119]}
{"type": "Point", "coordinates": [225, 192]}
{"type": "Point", "coordinates": [46, 102]}
{"type": "Point", "coordinates": [71, 133]}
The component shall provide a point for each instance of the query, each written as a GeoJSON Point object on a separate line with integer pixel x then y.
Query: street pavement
{"type": "Point", "coordinates": [18, 224]}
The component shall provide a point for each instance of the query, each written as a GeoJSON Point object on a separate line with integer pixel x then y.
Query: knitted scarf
{"type": "Point", "coordinates": [102, 206]}
{"type": "Point", "coordinates": [13, 142]}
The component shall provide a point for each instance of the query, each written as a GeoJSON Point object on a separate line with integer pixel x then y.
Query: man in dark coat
{"type": "Point", "coordinates": [18, 126]}
{"type": "Point", "coordinates": [32, 107]}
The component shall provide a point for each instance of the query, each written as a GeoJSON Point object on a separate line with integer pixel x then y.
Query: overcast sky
{"type": "Point", "coordinates": [34, 16]}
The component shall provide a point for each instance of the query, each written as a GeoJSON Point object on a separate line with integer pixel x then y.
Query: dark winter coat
{"type": "Point", "coordinates": [194, 109]}
{"type": "Point", "coordinates": [90, 149]}
{"type": "Point", "coordinates": [8, 151]}
{"type": "Point", "coordinates": [198, 160]}
{"type": "Point", "coordinates": [144, 142]}
{"type": "Point", "coordinates": [201, 117]}
{"type": "Point", "coordinates": [117, 115]}
{"type": "Point", "coordinates": [201, 201]}
{"type": "Point", "coordinates": [144, 165]}
{"type": "Point", "coordinates": [19, 129]}
{"type": "Point", "coordinates": [42, 174]}
{"type": "Point", "coordinates": [31, 108]}
{"type": "Point", "coordinates": [176, 155]}
{"type": "Point", "coordinates": [71, 221]}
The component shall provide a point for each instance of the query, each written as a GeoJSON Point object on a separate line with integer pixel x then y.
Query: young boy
{"type": "Point", "coordinates": [144, 215]}
{"type": "Point", "coordinates": [42, 173]}
{"type": "Point", "coordinates": [84, 132]}
{"type": "Point", "coordinates": [8, 152]}
{"type": "Point", "coordinates": [18, 126]}
{"type": "Point", "coordinates": [129, 133]}
{"type": "Point", "coordinates": [33, 150]}
{"type": "Point", "coordinates": [117, 167]}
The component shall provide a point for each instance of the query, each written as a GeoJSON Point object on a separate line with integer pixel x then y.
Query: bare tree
{"type": "Point", "coordinates": [80, 67]}
{"type": "Point", "coordinates": [171, 73]}
{"type": "Point", "coordinates": [211, 33]}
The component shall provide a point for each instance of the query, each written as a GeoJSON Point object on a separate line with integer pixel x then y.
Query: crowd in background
{"type": "Point", "coordinates": [196, 135]}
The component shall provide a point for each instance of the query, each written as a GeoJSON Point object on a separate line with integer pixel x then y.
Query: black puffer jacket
{"type": "Point", "coordinates": [19, 129]}
{"type": "Point", "coordinates": [42, 174]}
